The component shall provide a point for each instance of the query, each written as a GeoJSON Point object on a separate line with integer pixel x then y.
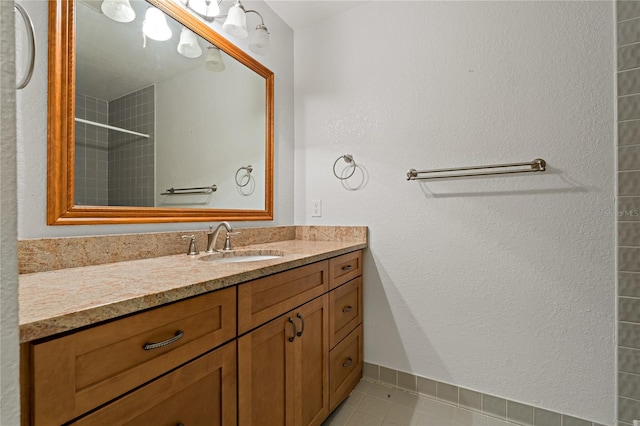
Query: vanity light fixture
{"type": "Point", "coordinates": [155, 25]}
{"type": "Point", "coordinates": [118, 10]}
{"type": "Point", "coordinates": [235, 23]}
{"type": "Point", "coordinates": [188, 45]}
{"type": "Point", "coordinates": [214, 60]}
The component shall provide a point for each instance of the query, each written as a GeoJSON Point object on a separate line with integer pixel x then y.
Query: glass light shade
{"type": "Point", "coordinates": [214, 60]}
{"type": "Point", "coordinates": [208, 8]}
{"type": "Point", "coordinates": [118, 10]}
{"type": "Point", "coordinates": [236, 22]}
{"type": "Point", "coordinates": [188, 46]}
{"type": "Point", "coordinates": [259, 40]}
{"type": "Point", "coordinates": [155, 25]}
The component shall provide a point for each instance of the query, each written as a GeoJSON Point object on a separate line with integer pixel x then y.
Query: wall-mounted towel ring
{"type": "Point", "coordinates": [244, 180]}
{"type": "Point", "coordinates": [32, 45]}
{"type": "Point", "coordinates": [348, 158]}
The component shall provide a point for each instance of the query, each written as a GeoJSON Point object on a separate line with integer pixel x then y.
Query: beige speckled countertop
{"type": "Point", "coordinates": [58, 301]}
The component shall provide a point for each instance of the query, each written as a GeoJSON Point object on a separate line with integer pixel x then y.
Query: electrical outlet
{"type": "Point", "coordinates": [316, 208]}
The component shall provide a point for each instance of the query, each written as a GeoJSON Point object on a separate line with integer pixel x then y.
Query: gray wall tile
{"type": "Point", "coordinates": [426, 387]}
{"type": "Point", "coordinates": [494, 406]}
{"type": "Point", "coordinates": [629, 157]}
{"type": "Point", "coordinates": [629, 259]}
{"type": "Point", "coordinates": [406, 381]}
{"type": "Point", "coordinates": [629, 107]}
{"type": "Point", "coordinates": [629, 133]}
{"type": "Point", "coordinates": [629, 360]}
{"type": "Point", "coordinates": [627, 10]}
{"type": "Point", "coordinates": [629, 309]}
{"type": "Point", "coordinates": [519, 413]}
{"type": "Point", "coordinates": [573, 421]}
{"type": "Point", "coordinates": [629, 385]}
{"type": "Point", "coordinates": [370, 371]}
{"type": "Point", "coordinates": [628, 283]}
{"type": "Point", "coordinates": [546, 418]}
{"type": "Point", "coordinates": [629, 81]}
{"type": "Point", "coordinates": [628, 32]}
{"type": "Point", "coordinates": [629, 234]}
{"type": "Point", "coordinates": [628, 57]}
{"type": "Point", "coordinates": [628, 209]}
{"type": "Point", "coordinates": [447, 392]}
{"type": "Point", "coordinates": [628, 409]}
{"type": "Point", "coordinates": [388, 376]}
{"type": "Point", "coordinates": [629, 183]}
{"type": "Point", "coordinates": [470, 399]}
{"type": "Point", "coordinates": [629, 335]}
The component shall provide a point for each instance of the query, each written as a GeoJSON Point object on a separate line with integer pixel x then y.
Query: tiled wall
{"type": "Point", "coordinates": [628, 41]}
{"type": "Point", "coordinates": [91, 155]}
{"type": "Point", "coordinates": [492, 406]}
{"type": "Point", "coordinates": [131, 158]}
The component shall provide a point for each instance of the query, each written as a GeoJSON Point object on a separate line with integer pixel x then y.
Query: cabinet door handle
{"type": "Point", "coordinates": [347, 309]}
{"type": "Point", "coordinates": [301, 322]}
{"type": "Point", "coordinates": [348, 362]}
{"type": "Point", "coordinates": [347, 267]}
{"type": "Point", "coordinates": [149, 346]}
{"type": "Point", "coordinates": [292, 338]}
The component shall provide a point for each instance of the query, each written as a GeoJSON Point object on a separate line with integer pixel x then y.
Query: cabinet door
{"type": "Point", "coordinates": [202, 392]}
{"type": "Point", "coordinates": [266, 374]}
{"type": "Point", "coordinates": [312, 362]}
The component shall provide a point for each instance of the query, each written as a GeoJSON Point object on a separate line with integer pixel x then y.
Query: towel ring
{"type": "Point", "coordinates": [247, 175]}
{"type": "Point", "coordinates": [348, 158]}
{"type": "Point", "coordinates": [31, 43]}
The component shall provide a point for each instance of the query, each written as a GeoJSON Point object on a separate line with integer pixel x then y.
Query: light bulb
{"type": "Point", "coordinates": [236, 22]}
{"type": "Point", "coordinates": [188, 46]}
{"type": "Point", "coordinates": [155, 25]}
{"type": "Point", "coordinates": [259, 40]}
{"type": "Point", "coordinates": [118, 10]}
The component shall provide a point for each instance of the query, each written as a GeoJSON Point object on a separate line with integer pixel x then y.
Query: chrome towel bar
{"type": "Point", "coordinates": [199, 190]}
{"type": "Point", "coordinates": [537, 165]}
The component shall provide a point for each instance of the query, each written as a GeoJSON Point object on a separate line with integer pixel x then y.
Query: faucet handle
{"type": "Point", "coordinates": [227, 240]}
{"type": "Point", "coordinates": [193, 249]}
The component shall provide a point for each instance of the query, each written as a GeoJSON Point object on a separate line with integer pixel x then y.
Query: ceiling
{"type": "Point", "coordinates": [301, 13]}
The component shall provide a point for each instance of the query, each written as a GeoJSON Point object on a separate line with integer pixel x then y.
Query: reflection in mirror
{"type": "Point", "coordinates": [163, 117]}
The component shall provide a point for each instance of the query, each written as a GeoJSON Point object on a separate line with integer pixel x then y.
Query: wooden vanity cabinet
{"type": "Point", "coordinates": [283, 369]}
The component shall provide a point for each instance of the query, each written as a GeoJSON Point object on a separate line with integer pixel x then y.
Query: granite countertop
{"type": "Point", "coordinates": [62, 300]}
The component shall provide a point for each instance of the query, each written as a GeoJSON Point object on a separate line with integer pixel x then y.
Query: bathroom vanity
{"type": "Point", "coordinates": [177, 340]}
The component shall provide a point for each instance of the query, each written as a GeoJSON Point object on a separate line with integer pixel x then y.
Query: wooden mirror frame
{"type": "Point", "coordinates": [61, 208]}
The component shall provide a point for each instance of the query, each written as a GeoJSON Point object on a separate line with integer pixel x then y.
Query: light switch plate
{"type": "Point", "coordinates": [316, 208]}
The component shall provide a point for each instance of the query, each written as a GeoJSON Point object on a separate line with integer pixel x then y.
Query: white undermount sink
{"type": "Point", "coordinates": [239, 256]}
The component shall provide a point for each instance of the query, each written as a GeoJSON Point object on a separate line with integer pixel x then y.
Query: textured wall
{"type": "Point", "coordinates": [9, 360]}
{"type": "Point", "coordinates": [628, 42]}
{"type": "Point", "coordinates": [32, 135]}
{"type": "Point", "coordinates": [502, 285]}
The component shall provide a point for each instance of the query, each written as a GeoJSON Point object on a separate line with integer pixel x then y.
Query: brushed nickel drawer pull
{"type": "Point", "coordinates": [295, 330]}
{"type": "Point", "coordinates": [348, 363]}
{"type": "Point", "coordinates": [302, 322]}
{"type": "Point", "coordinates": [149, 346]}
{"type": "Point", "coordinates": [347, 309]}
{"type": "Point", "coordinates": [347, 267]}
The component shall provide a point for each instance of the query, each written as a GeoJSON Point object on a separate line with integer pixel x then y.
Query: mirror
{"type": "Point", "coordinates": [154, 134]}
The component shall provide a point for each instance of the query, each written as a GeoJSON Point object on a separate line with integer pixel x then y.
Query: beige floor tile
{"type": "Point", "coordinates": [462, 417]}
{"type": "Point", "coordinates": [375, 406]}
{"type": "Point", "coordinates": [360, 418]}
{"type": "Point", "coordinates": [340, 416]}
{"type": "Point", "coordinates": [492, 421]}
{"type": "Point", "coordinates": [363, 385]}
{"type": "Point", "coordinates": [401, 415]}
{"type": "Point", "coordinates": [436, 408]}
{"type": "Point", "coordinates": [426, 419]}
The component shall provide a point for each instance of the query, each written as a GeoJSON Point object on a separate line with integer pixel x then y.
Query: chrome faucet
{"type": "Point", "coordinates": [212, 237]}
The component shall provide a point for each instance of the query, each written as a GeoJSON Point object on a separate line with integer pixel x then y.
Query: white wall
{"type": "Point", "coordinates": [503, 285]}
{"type": "Point", "coordinates": [9, 359]}
{"type": "Point", "coordinates": [215, 140]}
{"type": "Point", "coordinates": [32, 135]}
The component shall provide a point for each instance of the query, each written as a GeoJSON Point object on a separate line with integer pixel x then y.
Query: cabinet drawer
{"type": "Point", "coordinates": [202, 392]}
{"type": "Point", "coordinates": [76, 373]}
{"type": "Point", "coordinates": [345, 367]}
{"type": "Point", "coordinates": [344, 268]}
{"type": "Point", "coordinates": [261, 300]}
{"type": "Point", "coordinates": [345, 310]}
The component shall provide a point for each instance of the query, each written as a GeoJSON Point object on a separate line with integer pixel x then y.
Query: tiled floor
{"type": "Point", "coordinates": [372, 404]}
